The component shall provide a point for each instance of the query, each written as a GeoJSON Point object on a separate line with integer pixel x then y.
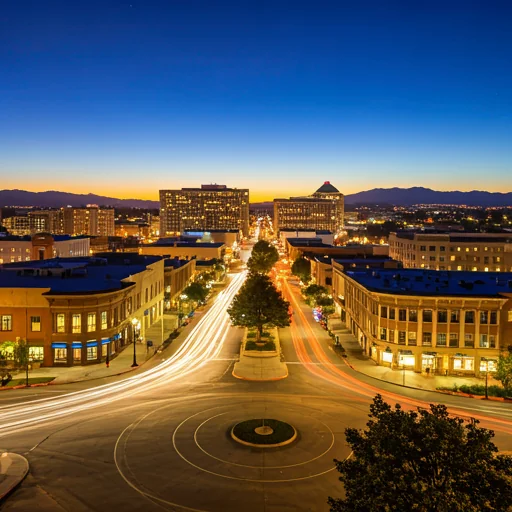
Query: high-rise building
{"type": "Point", "coordinates": [46, 221]}
{"type": "Point", "coordinates": [18, 225]}
{"type": "Point", "coordinates": [91, 220]}
{"type": "Point", "coordinates": [206, 208]}
{"type": "Point", "coordinates": [322, 211]}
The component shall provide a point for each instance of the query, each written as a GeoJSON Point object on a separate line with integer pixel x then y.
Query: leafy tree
{"type": "Point", "coordinates": [504, 370]}
{"type": "Point", "coordinates": [315, 291]}
{"type": "Point", "coordinates": [301, 268]}
{"type": "Point", "coordinates": [196, 292]}
{"type": "Point", "coordinates": [425, 461]}
{"type": "Point", "coordinates": [206, 277]}
{"type": "Point", "coordinates": [259, 303]}
{"type": "Point", "coordinates": [263, 257]}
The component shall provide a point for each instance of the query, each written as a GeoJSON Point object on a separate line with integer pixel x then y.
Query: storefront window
{"type": "Point", "coordinates": [387, 357]}
{"type": "Point", "coordinates": [92, 353]}
{"type": "Point", "coordinates": [488, 365]}
{"type": "Point", "coordinates": [60, 355]}
{"type": "Point", "coordinates": [77, 355]}
{"type": "Point", "coordinates": [406, 360]}
{"type": "Point", "coordinates": [463, 363]}
{"type": "Point", "coordinates": [35, 353]}
{"type": "Point", "coordinates": [104, 350]}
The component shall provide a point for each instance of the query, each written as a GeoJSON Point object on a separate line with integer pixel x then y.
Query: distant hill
{"type": "Point", "coordinates": [420, 195]}
{"type": "Point", "coordinates": [55, 199]}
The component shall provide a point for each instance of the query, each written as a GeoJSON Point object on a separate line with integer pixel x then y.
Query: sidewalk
{"type": "Point", "coordinates": [122, 363]}
{"type": "Point", "coordinates": [13, 469]}
{"type": "Point", "coordinates": [364, 364]}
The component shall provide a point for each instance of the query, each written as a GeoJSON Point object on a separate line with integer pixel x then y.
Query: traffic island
{"type": "Point", "coordinates": [13, 469]}
{"type": "Point", "coordinates": [264, 433]}
{"type": "Point", "coordinates": [260, 360]}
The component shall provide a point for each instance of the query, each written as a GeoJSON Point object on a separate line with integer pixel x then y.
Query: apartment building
{"type": "Point", "coordinates": [211, 207]}
{"type": "Point", "coordinates": [46, 221]}
{"type": "Point", "coordinates": [476, 252]}
{"type": "Point", "coordinates": [90, 220]}
{"type": "Point", "coordinates": [322, 211]}
{"type": "Point", "coordinates": [78, 311]}
{"type": "Point", "coordinates": [438, 322]}
{"type": "Point", "coordinates": [18, 225]}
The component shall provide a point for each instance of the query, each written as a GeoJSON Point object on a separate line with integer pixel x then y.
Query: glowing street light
{"type": "Point", "coordinates": [136, 326]}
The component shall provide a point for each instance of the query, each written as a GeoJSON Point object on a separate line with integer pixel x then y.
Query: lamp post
{"type": "Point", "coordinates": [183, 297]}
{"type": "Point", "coordinates": [135, 324]}
{"type": "Point", "coordinates": [486, 379]}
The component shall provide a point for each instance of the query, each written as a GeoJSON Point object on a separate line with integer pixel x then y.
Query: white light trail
{"type": "Point", "coordinates": [203, 344]}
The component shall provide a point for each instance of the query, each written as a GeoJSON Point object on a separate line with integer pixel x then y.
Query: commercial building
{"type": "Point", "coordinates": [211, 207]}
{"type": "Point", "coordinates": [46, 221]}
{"type": "Point", "coordinates": [326, 237]}
{"type": "Point", "coordinates": [178, 275]}
{"type": "Point", "coordinates": [18, 225]}
{"type": "Point", "coordinates": [127, 229]}
{"type": "Point", "coordinates": [447, 323]}
{"type": "Point", "coordinates": [323, 210]}
{"type": "Point", "coordinates": [91, 220]}
{"type": "Point", "coordinates": [487, 252]}
{"type": "Point", "coordinates": [78, 311]}
{"type": "Point", "coordinates": [184, 250]}
{"type": "Point", "coordinates": [42, 247]}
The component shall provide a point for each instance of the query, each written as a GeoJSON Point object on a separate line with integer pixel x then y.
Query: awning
{"type": "Point", "coordinates": [405, 353]}
{"type": "Point", "coordinates": [432, 354]}
{"type": "Point", "coordinates": [59, 345]}
{"type": "Point", "coordinates": [93, 343]}
{"type": "Point", "coordinates": [77, 344]}
{"type": "Point", "coordinates": [105, 341]}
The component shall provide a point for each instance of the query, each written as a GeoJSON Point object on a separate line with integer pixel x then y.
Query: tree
{"type": "Point", "coordinates": [315, 290]}
{"type": "Point", "coordinates": [263, 257]}
{"type": "Point", "coordinates": [504, 370]}
{"type": "Point", "coordinates": [196, 292]}
{"type": "Point", "coordinates": [301, 268]}
{"type": "Point", "coordinates": [259, 303]}
{"type": "Point", "coordinates": [425, 461]}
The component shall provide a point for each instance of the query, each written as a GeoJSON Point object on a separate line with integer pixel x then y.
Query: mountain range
{"type": "Point", "coordinates": [383, 196]}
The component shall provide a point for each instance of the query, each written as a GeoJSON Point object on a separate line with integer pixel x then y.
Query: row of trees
{"type": "Point", "coordinates": [259, 303]}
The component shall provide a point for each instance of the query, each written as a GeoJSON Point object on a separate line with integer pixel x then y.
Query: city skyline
{"type": "Point", "coordinates": [125, 99]}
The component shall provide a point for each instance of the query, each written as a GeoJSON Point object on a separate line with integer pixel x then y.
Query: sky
{"type": "Point", "coordinates": [124, 98]}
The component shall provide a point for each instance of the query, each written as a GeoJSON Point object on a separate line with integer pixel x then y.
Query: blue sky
{"type": "Point", "coordinates": [126, 97]}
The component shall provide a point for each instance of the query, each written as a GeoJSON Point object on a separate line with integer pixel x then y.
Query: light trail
{"type": "Point", "coordinates": [332, 373]}
{"type": "Point", "coordinates": [203, 344]}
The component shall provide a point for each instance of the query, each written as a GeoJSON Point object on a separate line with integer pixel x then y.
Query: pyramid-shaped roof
{"type": "Point", "coordinates": [327, 188]}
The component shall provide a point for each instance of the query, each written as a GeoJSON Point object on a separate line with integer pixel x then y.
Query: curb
{"type": "Point", "coordinates": [273, 379]}
{"type": "Point", "coordinates": [19, 469]}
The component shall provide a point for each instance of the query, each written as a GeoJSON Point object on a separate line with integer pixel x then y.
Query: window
{"type": "Point", "coordinates": [77, 355]}
{"type": "Point", "coordinates": [423, 248]}
{"type": "Point", "coordinates": [442, 316]}
{"type": "Point", "coordinates": [452, 258]}
{"type": "Point", "coordinates": [60, 322]}
{"type": "Point", "coordinates": [454, 339]}
{"type": "Point", "coordinates": [492, 341]}
{"type": "Point", "coordinates": [391, 313]}
{"type": "Point", "coordinates": [401, 337]}
{"type": "Point", "coordinates": [441, 339]}
{"type": "Point", "coordinates": [432, 248]}
{"type": "Point", "coordinates": [35, 323]}
{"type": "Point", "coordinates": [6, 323]}
{"type": "Point", "coordinates": [427, 315]}
{"type": "Point", "coordinates": [35, 353]}
{"type": "Point", "coordinates": [484, 341]}
{"type": "Point", "coordinates": [463, 363]}
{"type": "Point", "coordinates": [147, 295]}
{"type": "Point", "coordinates": [427, 339]}
{"type": "Point", "coordinates": [442, 248]}
{"type": "Point", "coordinates": [470, 317]}
{"type": "Point", "coordinates": [92, 353]}
{"type": "Point", "coordinates": [76, 322]}
{"type": "Point", "coordinates": [104, 324]}
{"type": "Point", "coordinates": [484, 317]}
{"type": "Point", "coordinates": [413, 315]}
{"type": "Point", "coordinates": [391, 335]}
{"type": "Point", "coordinates": [468, 340]}
{"type": "Point", "coordinates": [412, 337]}
{"type": "Point", "coordinates": [383, 334]}
{"type": "Point", "coordinates": [432, 258]}
{"type": "Point", "coordinates": [60, 355]}
{"type": "Point", "coordinates": [402, 315]}
{"type": "Point", "coordinates": [104, 350]}
{"type": "Point", "coordinates": [454, 316]}
{"type": "Point", "coordinates": [383, 312]}
{"type": "Point", "coordinates": [91, 322]}
{"type": "Point", "coordinates": [494, 317]}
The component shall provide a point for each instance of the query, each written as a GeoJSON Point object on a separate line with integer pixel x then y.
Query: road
{"type": "Point", "coordinates": [159, 440]}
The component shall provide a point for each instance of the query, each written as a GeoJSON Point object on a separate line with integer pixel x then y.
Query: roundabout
{"type": "Point", "coordinates": [264, 433]}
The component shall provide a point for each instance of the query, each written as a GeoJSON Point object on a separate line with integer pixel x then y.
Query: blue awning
{"type": "Point", "coordinates": [105, 341]}
{"type": "Point", "coordinates": [92, 343]}
{"type": "Point", "coordinates": [77, 344]}
{"type": "Point", "coordinates": [59, 345]}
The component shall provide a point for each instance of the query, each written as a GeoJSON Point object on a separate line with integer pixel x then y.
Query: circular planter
{"type": "Point", "coordinates": [267, 433]}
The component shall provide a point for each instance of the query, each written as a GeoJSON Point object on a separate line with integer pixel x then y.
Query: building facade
{"type": "Point", "coordinates": [185, 250]}
{"type": "Point", "coordinates": [42, 247]}
{"type": "Point", "coordinates": [18, 225]}
{"type": "Point", "coordinates": [322, 211]}
{"type": "Point", "coordinates": [446, 323]}
{"type": "Point", "coordinates": [476, 252]}
{"type": "Point", "coordinates": [91, 220]}
{"type": "Point", "coordinates": [211, 207]}
{"type": "Point", "coordinates": [46, 221]}
{"type": "Point", "coordinates": [79, 311]}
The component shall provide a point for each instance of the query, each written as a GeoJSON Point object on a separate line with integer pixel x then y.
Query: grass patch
{"type": "Point", "coordinates": [245, 431]}
{"type": "Point", "coordinates": [31, 380]}
{"type": "Point", "coordinates": [477, 389]}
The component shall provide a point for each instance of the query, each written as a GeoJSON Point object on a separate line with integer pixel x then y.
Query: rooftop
{"type": "Point", "coordinates": [327, 188]}
{"type": "Point", "coordinates": [463, 237]}
{"type": "Point", "coordinates": [163, 242]}
{"type": "Point", "coordinates": [434, 283]}
{"type": "Point", "coordinates": [76, 276]}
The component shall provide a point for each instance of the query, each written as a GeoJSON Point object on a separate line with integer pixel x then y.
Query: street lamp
{"type": "Point", "coordinates": [486, 361]}
{"type": "Point", "coordinates": [135, 324]}
{"type": "Point", "coordinates": [183, 297]}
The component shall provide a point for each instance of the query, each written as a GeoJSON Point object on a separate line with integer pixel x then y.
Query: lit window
{"type": "Point", "coordinates": [61, 327]}
{"type": "Point", "coordinates": [91, 322]}
{"type": "Point", "coordinates": [6, 323]}
{"type": "Point", "coordinates": [35, 353]}
{"type": "Point", "coordinates": [92, 353]}
{"type": "Point", "coordinates": [104, 324]}
{"type": "Point", "coordinates": [77, 323]}
{"type": "Point", "coordinates": [35, 323]}
{"type": "Point", "coordinates": [60, 355]}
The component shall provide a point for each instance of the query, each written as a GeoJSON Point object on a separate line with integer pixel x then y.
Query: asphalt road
{"type": "Point", "coordinates": [158, 440]}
